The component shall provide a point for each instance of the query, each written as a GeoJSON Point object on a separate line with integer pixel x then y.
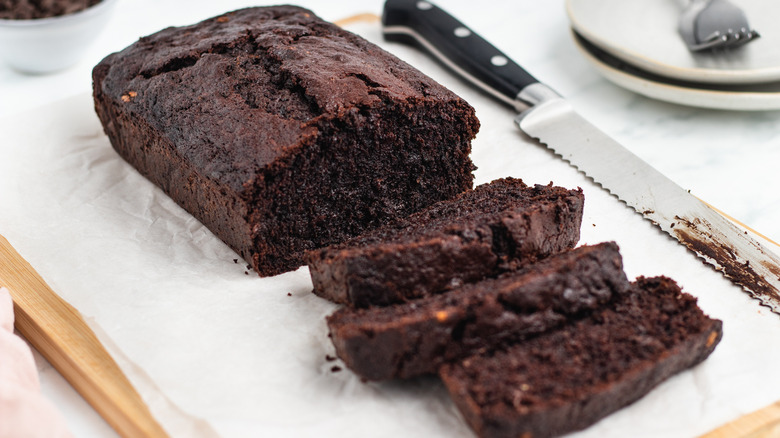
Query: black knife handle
{"type": "Point", "coordinates": [456, 46]}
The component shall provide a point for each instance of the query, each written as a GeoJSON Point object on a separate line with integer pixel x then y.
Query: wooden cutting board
{"type": "Point", "coordinates": [763, 423]}
{"type": "Point", "coordinates": [59, 333]}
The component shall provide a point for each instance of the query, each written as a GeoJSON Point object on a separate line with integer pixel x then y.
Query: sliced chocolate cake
{"type": "Point", "coordinates": [415, 338]}
{"type": "Point", "coordinates": [478, 234]}
{"type": "Point", "coordinates": [567, 379]}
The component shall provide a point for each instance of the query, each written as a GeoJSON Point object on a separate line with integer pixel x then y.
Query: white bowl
{"type": "Point", "coordinates": [45, 45]}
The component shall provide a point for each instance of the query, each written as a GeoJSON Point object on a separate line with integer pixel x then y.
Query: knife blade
{"type": "Point", "coordinates": [546, 116]}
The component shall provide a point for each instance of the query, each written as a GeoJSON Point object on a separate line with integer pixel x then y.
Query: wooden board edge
{"type": "Point", "coordinates": [763, 423]}
{"type": "Point", "coordinates": [62, 336]}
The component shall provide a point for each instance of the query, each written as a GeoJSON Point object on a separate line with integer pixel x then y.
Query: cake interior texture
{"type": "Point", "coordinates": [566, 379]}
{"type": "Point", "coordinates": [281, 132]}
{"type": "Point", "coordinates": [480, 233]}
{"type": "Point", "coordinates": [415, 338]}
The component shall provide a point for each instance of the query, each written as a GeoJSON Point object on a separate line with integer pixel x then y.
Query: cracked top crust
{"type": "Point", "coordinates": [255, 84]}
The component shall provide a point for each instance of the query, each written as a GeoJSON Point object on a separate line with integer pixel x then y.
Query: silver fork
{"type": "Point", "coordinates": [714, 24]}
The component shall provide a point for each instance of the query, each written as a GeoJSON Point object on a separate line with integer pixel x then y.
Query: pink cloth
{"type": "Point", "coordinates": [24, 412]}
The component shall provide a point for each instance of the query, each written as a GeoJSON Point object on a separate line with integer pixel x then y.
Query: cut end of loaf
{"type": "Point", "coordinates": [282, 132]}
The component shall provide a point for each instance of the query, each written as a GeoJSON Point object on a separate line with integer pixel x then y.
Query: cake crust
{"type": "Point", "coordinates": [480, 233]}
{"type": "Point", "coordinates": [568, 379]}
{"type": "Point", "coordinates": [282, 132]}
{"type": "Point", "coordinates": [416, 338]}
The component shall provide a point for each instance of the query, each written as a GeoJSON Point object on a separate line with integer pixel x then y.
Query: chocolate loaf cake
{"type": "Point", "coordinates": [282, 132]}
{"type": "Point", "coordinates": [477, 234]}
{"type": "Point", "coordinates": [412, 339]}
{"type": "Point", "coordinates": [567, 379]}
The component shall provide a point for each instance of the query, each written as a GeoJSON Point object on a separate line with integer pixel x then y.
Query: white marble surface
{"type": "Point", "coordinates": [727, 158]}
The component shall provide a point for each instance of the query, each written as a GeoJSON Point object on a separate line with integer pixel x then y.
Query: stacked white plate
{"type": "Point", "coordinates": [636, 45]}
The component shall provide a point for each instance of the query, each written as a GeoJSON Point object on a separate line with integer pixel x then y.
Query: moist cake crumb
{"type": "Point", "coordinates": [282, 132]}
{"type": "Point", "coordinates": [480, 233]}
{"type": "Point", "coordinates": [416, 338]}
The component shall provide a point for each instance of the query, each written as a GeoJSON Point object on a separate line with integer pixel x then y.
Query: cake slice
{"type": "Point", "coordinates": [411, 339]}
{"type": "Point", "coordinates": [569, 378]}
{"type": "Point", "coordinates": [478, 234]}
{"type": "Point", "coordinates": [282, 132]}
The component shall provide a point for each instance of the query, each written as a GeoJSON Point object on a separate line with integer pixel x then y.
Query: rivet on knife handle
{"type": "Point", "coordinates": [462, 50]}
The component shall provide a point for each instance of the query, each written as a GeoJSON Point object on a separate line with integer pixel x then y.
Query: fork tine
{"type": "Point", "coordinates": [729, 40]}
{"type": "Point", "coordinates": [710, 25]}
{"type": "Point", "coordinates": [742, 37]}
{"type": "Point", "coordinates": [715, 41]}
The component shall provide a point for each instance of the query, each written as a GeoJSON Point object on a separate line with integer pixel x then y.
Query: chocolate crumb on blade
{"type": "Point", "coordinates": [567, 379]}
{"type": "Point", "coordinates": [282, 132]}
{"type": "Point", "coordinates": [480, 233]}
{"type": "Point", "coordinates": [408, 340]}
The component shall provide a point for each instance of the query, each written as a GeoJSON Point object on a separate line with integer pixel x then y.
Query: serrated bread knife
{"type": "Point", "coordinates": [546, 116]}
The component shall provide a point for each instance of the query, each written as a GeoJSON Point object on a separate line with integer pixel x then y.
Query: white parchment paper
{"type": "Point", "coordinates": [218, 351]}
